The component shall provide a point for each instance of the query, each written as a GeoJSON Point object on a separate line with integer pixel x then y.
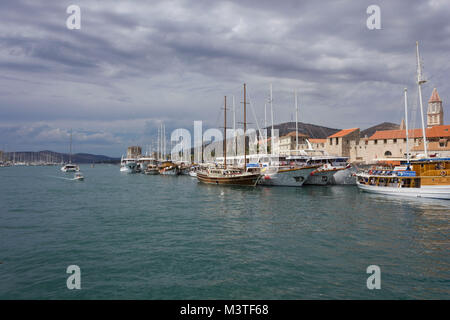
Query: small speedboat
{"type": "Point", "coordinates": [78, 176]}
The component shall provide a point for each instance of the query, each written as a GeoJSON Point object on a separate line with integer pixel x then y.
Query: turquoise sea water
{"type": "Point", "coordinates": [155, 237]}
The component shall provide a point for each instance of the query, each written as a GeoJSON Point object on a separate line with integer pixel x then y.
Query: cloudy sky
{"type": "Point", "coordinates": [136, 63]}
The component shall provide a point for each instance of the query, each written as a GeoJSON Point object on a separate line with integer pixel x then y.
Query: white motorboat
{"type": "Point", "coordinates": [193, 174]}
{"type": "Point", "coordinates": [78, 176]}
{"type": "Point", "coordinates": [70, 168]}
{"type": "Point", "coordinates": [193, 171]}
{"type": "Point", "coordinates": [128, 165]}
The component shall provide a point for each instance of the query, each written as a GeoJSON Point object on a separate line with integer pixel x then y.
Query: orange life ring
{"type": "Point", "coordinates": [443, 173]}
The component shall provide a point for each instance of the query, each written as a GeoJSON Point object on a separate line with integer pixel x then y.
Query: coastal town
{"type": "Point", "coordinates": [212, 153]}
{"type": "Point", "coordinates": [400, 161]}
{"type": "Point", "coordinates": [382, 145]}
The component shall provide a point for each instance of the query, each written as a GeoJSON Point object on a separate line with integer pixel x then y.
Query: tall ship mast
{"type": "Point", "coordinates": [420, 82]}
{"type": "Point", "coordinates": [226, 175]}
{"type": "Point", "coordinates": [70, 167]}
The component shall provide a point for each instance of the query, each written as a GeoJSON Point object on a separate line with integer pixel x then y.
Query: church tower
{"type": "Point", "coordinates": [435, 113]}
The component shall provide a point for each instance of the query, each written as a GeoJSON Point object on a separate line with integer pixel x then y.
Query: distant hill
{"type": "Point", "coordinates": [379, 127]}
{"type": "Point", "coordinates": [56, 157]}
{"type": "Point", "coordinates": [311, 130]}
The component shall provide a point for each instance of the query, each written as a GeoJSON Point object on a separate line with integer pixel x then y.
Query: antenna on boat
{"type": "Point", "coordinates": [245, 127]}
{"type": "Point", "coordinates": [420, 81]}
{"type": "Point", "coordinates": [296, 120]}
{"type": "Point", "coordinates": [70, 149]}
{"type": "Point", "coordinates": [265, 115]}
{"type": "Point", "coordinates": [225, 133]}
{"type": "Point", "coordinates": [271, 108]}
{"type": "Point", "coordinates": [234, 128]}
{"type": "Point", "coordinates": [406, 125]}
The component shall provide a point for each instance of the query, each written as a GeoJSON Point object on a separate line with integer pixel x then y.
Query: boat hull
{"type": "Point", "coordinates": [287, 178]}
{"type": "Point", "coordinates": [321, 178]}
{"type": "Point", "coordinates": [152, 172]}
{"type": "Point", "coordinates": [127, 169]}
{"type": "Point", "coordinates": [345, 176]}
{"type": "Point", "coordinates": [241, 180]}
{"type": "Point", "coordinates": [170, 172]}
{"type": "Point", "coordinates": [432, 192]}
{"type": "Point", "coordinates": [70, 169]}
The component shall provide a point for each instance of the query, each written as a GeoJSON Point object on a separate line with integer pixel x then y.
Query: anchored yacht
{"type": "Point", "coordinates": [128, 165]}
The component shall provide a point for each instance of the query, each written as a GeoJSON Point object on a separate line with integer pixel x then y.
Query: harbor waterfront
{"type": "Point", "coordinates": [137, 236]}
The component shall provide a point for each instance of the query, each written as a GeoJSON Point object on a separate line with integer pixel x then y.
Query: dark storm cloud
{"type": "Point", "coordinates": [134, 63]}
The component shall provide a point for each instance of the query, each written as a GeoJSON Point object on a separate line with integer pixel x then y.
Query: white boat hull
{"type": "Point", "coordinates": [171, 172]}
{"type": "Point", "coordinates": [346, 176]}
{"type": "Point", "coordinates": [433, 192]}
{"type": "Point", "coordinates": [286, 178]}
{"type": "Point", "coordinates": [127, 169]}
{"type": "Point", "coordinates": [70, 169]}
{"type": "Point", "coordinates": [321, 178]}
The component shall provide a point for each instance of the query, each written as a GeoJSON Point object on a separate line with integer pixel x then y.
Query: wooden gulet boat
{"type": "Point", "coordinates": [230, 176]}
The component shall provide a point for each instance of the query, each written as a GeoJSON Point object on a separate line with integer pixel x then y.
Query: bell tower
{"type": "Point", "coordinates": [435, 112]}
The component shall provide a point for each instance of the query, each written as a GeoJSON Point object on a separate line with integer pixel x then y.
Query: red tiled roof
{"type": "Point", "coordinates": [433, 132]}
{"type": "Point", "coordinates": [292, 134]}
{"type": "Point", "coordinates": [317, 140]}
{"type": "Point", "coordinates": [435, 96]}
{"type": "Point", "coordinates": [343, 133]}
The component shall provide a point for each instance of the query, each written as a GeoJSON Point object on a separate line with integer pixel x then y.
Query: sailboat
{"type": "Point", "coordinates": [230, 176]}
{"type": "Point", "coordinates": [282, 171]}
{"type": "Point", "coordinates": [70, 167]}
{"type": "Point", "coordinates": [422, 178]}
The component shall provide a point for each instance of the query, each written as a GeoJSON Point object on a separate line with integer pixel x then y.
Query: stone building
{"type": "Point", "coordinates": [391, 144]}
{"type": "Point", "coordinates": [134, 152]}
{"type": "Point", "coordinates": [339, 143]}
{"type": "Point", "coordinates": [288, 143]}
{"type": "Point", "coordinates": [318, 143]}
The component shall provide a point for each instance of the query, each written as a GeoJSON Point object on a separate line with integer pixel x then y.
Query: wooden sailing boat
{"type": "Point", "coordinates": [230, 176]}
{"type": "Point", "coordinates": [423, 178]}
